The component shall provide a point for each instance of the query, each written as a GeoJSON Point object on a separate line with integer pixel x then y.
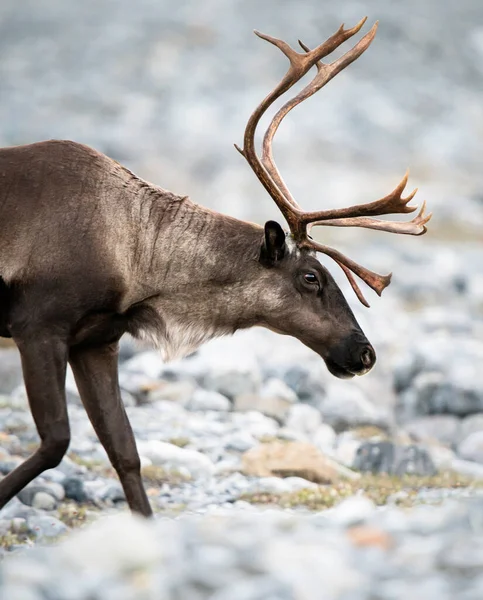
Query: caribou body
{"type": "Point", "coordinates": [89, 251]}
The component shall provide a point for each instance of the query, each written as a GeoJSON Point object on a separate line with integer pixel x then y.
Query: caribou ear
{"type": "Point", "coordinates": [273, 247]}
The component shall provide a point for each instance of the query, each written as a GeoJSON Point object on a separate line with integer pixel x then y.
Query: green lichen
{"type": "Point", "coordinates": [97, 466]}
{"type": "Point", "coordinates": [367, 432]}
{"type": "Point", "coordinates": [156, 476]}
{"type": "Point", "coordinates": [181, 441]}
{"type": "Point", "coordinates": [11, 539]}
{"type": "Point", "coordinates": [73, 515]}
{"type": "Point", "coordinates": [381, 489]}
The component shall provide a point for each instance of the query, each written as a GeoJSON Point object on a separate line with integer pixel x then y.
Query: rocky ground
{"type": "Point", "coordinates": [270, 479]}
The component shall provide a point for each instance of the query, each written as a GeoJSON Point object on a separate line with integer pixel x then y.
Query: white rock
{"type": "Point", "coordinates": [173, 391]}
{"type": "Point", "coordinates": [148, 363]}
{"type": "Point", "coordinates": [468, 468]}
{"type": "Point", "coordinates": [352, 510]}
{"type": "Point", "coordinates": [276, 485]}
{"type": "Point", "coordinates": [346, 447]}
{"type": "Point", "coordinates": [257, 424]}
{"type": "Point", "coordinates": [44, 501]}
{"type": "Point", "coordinates": [116, 544]}
{"type": "Point", "coordinates": [208, 400]}
{"type": "Point", "coordinates": [294, 484]}
{"type": "Point", "coordinates": [170, 456]}
{"type": "Point", "coordinates": [442, 457]}
{"type": "Point", "coordinates": [324, 438]}
{"type": "Point", "coordinates": [145, 461]}
{"type": "Point", "coordinates": [56, 489]}
{"type": "Point", "coordinates": [345, 405]}
{"type": "Point", "coordinates": [471, 448]}
{"type": "Point", "coordinates": [303, 418]}
{"type": "Point", "coordinates": [276, 388]}
{"type": "Point", "coordinates": [241, 441]}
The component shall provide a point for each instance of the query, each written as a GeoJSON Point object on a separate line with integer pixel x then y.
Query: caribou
{"type": "Point", "coordinates": [89, 252]}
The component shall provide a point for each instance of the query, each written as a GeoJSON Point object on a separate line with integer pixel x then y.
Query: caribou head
{"type": "Point", "coordinates": [315, 310]}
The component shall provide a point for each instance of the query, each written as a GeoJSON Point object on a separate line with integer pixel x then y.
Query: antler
{"type": "Point", "coordinates": [300, 222]}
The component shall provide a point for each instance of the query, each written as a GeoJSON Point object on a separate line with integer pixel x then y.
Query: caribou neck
{"type": "Point", "coordinates": [199, 269]}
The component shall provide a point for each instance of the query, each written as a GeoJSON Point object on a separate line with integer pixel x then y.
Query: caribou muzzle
{"type": "Point", "coordinates": [353, 356]}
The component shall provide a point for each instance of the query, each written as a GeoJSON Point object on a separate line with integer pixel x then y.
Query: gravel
{"type": "Point", "coordinates": [219, 533]}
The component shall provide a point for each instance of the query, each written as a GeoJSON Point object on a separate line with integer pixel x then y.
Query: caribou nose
{"type": "Point", "coordinates": [368, 357]}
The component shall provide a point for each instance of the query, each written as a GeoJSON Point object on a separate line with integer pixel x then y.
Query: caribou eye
{"type": "Point", "coordinates": [310, 278]}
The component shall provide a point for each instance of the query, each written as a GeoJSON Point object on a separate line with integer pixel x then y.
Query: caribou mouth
{"type": "Point", "coordinates": [343, 372]}
{"type": "Point", "coordinates": [337, 370]}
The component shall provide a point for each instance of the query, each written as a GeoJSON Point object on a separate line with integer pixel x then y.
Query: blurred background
{"type": "Point", "coordinates": [167, 87]}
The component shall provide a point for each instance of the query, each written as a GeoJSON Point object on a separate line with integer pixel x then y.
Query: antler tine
{"type": "Point", "coordinates": [393, 203]}
{"type": "Point", "coordinates": [322, 50]}
{"type": "Point", "coordinates": [416, 226]}
{"type": "Point", "coordinates": [324, 74]}
{"type": "Point", "coordinates": [300, 63]}
{"type": "Point", "coordinates": [300, 222]}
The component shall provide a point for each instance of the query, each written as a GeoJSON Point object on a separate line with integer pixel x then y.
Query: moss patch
{"type": "Point", "coordinates": [181, 442]}
{"type": "Point", "coordinates": [366, 432]}
{"type": "Point", "coordinates": [155, 476]}
{"type": "Point", "coordinates": [21, 537]}
{"type": "Point", "coordinates": [73, 515]}
{"type": "Point", "coordinates": [403, 491]}
{"type": "Point", "coordinates": [99, 467]}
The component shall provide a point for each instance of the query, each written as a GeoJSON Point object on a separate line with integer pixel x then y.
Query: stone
{"type": "Point", "coordinates": [413, 460]}
{"type": "Point", "coordinates": [27, 494]}
{"type": "Point", "coordinates": [324, 437]}
{"type": "Point", "coordinates": [375, 457]}
{"type": "Point", "coordinates": [305, 382]}
{"type": "Point", "coordinates": [17, 590]}
{"type": "Point", "coordinates": [345, 406]}
{"type": "Point", "coordinates": [147, 363]}
{"type": "Point", "coordinates": [44, 501]}
{"type": "Point", "coordinates": [128, 348]}
{"type": "Point", "coordinates": [6, 466]}
{"type": "Point", "coordinates": [112, 493]}
{"type": "Point", "coordinates": [15, 508]}
{"type": "Point", "coordinates": [441, 456]}
{"type": "Point", "coordinates": [467, 468]}
{"type": "Point", "coordinates": [121, 543]}
{"type": "Point", "coordinates": [387, 457]}
{"type": "Point", "coordinates": [240, 441]}
{"type": "Point", "coordinates": [469, 425]}
{"type": "Point", "coordinates": [353, 511]}
{"type": "Point", "coordinates": [10, 370]}
{"type": "Point", "coordinates": [303, 418]}
{"type": "Point", "coordinates": [55, 489]}
{"type": "Point", "coordinates": [46, 527]}
{"type": "Point", "coordinates": [285, 459]}
{"type": "Point", "coordinates": [444, 429]}
{"type": "Point", "coordinates": [208, 400]}
{"type": "Point", "coordinates": [170, 456]}
{"type": "Point", "coordinates": [440, 376]}
{"type": "Point", "coordinates": [345, 447]}
{"type": "Point", "coordinates": [471, 447]}
{"type": "Point", "coordinates": [367, 536]}
{"type": "Point", "coordinates": [270, 406]}
{"type": "Point", "coordinates": [276, 388]}
{"type": "Point", "coordinates": [173, 391]}
{"type": "Point", "coordinates": [19, 401]}
{"type": "Point", "coordinates": [74, 489]}
{"type": "Point", "coordinates": [232, 378]}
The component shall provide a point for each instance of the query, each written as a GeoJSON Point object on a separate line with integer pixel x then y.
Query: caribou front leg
{"type": "Point", "coordinates": [44, 361]}
{"type": "Point", "coordinates": [95, 372]}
